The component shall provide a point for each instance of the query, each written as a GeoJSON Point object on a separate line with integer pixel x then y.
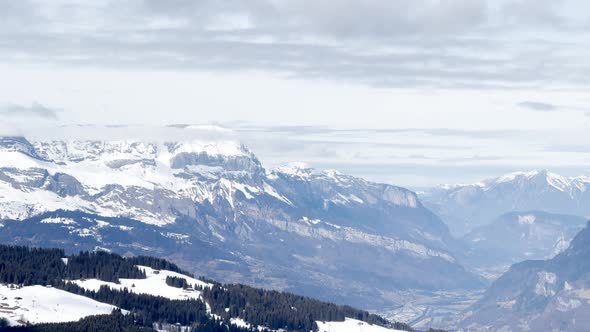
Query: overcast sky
{"type": "Point", "coordinates": [403, 91]}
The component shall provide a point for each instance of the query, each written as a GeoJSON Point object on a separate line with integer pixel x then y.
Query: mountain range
{"type": "Point", "coordinates": [213, 208]}
{"type": "Point", "coordinates": [465, 207]}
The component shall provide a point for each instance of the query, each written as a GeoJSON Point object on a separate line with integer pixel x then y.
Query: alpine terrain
{"type": "Point", "coordinates": [211, 207]}
{"type": "Point", "coordinates": [465, 207]}
{"type": "Point", "coordinates": [539, 295]}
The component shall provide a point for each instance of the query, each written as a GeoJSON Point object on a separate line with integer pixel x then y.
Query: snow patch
{"type": "Point", "coordinates": [310, 221]}
{"type": "Point", "coordinates": [40, 304]}
{"type": "Point", "coordinates": [546, 284]}
{"type": "Point", "coordinates": [65, 221]}
{"type": "Point", "coordinates": [272, 192]}
{"type": "Point", "coordinates": [528, 219]}
{"type": "Point", "coordinates": [239, 322]}
{"type": "Point", "coordinates": [351, 325]}
{"type": "Point", "coordinates": [154, 284]}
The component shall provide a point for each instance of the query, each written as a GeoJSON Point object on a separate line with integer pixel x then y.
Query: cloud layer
{"type": "Point", "coordinates": [405, 91]}
{"type": "Point", "coordinates": [405, 43]}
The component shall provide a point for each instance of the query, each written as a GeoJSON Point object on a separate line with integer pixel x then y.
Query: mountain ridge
{"type": "Point", "coordinates": [464, 207]}
{"type": "Point", "coordinates": [217, 196]}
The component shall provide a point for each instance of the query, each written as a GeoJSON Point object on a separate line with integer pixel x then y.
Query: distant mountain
{"type": "Point", "coordinates": [212, 207]}
{"type": "Point", "coordinates": [550, 295]}
{"type": "Point", "coordinates": [518, 236]}
{"type": "Point", "coordinates": [465, 207]}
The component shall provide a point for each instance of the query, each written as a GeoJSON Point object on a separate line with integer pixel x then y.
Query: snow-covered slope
{"type": "Point", "coordinates": [110, 177]}
{"type": "Point", "coordinates": [40, 304]}
{"type": "Point", "coordinates": [465, 207]}
{"type": "Point", "coordinates": [154, 284]}
{"type": "Point", "coordinates": [351, 325]}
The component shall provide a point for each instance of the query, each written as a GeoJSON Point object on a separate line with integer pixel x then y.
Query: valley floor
{"type": "Point", "coordinates": [424, 310]}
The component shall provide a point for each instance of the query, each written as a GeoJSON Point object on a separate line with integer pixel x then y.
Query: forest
{"type": "Point", "coordinates": [270, 309]}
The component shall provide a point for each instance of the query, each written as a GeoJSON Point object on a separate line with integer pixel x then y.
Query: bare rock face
{"type": "Point", "coordinates": [212, 207]}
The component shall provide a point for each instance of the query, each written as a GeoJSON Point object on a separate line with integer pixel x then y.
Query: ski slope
{"type": "Point", "coordinates": [351, 325]}
{"type": "Point", "coordinates": [40, 304]}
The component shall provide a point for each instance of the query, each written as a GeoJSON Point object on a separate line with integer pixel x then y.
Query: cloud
{"type": "Point", "coordinates": [403, 43]}
{"type": "Point", "coordinates": [573, 148]}
{"type": "Point", "coordinates": [538, 106]}
{"type": "Point", "coordinates": [35, 110]}
{"type": "Point", "coordinates": [547, 107]}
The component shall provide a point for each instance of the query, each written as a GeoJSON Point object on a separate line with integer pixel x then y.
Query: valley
{"type": "Point", "coordinates": [212, 208]}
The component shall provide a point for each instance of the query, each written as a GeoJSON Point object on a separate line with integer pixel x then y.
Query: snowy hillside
{"type": "Point", "coordinates": [154, 284]}
{"type": "Point", "coordinates": [351, 325]}
{"type": "Point", "coordinates": [158, 293]}
{"type": "Point", "coordinates": [40, 304]}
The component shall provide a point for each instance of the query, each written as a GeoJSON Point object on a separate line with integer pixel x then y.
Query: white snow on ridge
{"type": "Point", "coordinates": [295, 169]}
{"type": "Point", "coordinates": [18, 204]}
{"type": "Point", "coordinates": [40, 304]}
{"type": "Point", "coordinates": [272, 192]}
{"type": "Point", "coordinates": [559, 182]}
{"type": "Point", "coordinates": [222, 148]}
{"type": "Point", "coordinates": [351, 325]}
{"type": "Point", "coordinates": [154, 284]}
{"type": "Point", "coordinates": [528, 219]}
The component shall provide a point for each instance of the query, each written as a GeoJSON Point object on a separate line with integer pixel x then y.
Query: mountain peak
{"type": "Point", "coordinates": [219, 148]}
{"type": "Point", "coordinates": [17, 144]}
{"type": "Point", "coordinates": [296, 169]}
{"type": "Point", "coordinates": [476, 204]}
{"type": "Point", "coordinates": [538, 176]}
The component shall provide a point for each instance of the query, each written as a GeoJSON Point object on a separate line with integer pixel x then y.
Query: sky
{"type": "Point", "coordinates": [414, 93]}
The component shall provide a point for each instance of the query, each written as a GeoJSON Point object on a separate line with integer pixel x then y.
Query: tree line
{"type": "Point", "coordinates": [269, 309]}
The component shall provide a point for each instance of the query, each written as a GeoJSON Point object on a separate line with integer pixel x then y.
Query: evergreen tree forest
{"type": "Point", "coordinates": [271, 309]}
{"type": "Point", "coordinates": [177, 282]}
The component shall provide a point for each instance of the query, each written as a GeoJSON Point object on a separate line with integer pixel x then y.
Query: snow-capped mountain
{"type": "Point", "coordinates": [291, 228]}
{"type": "Point", "coordinates": [551, 295]}
{"type": "Point", "coordinates": [464, 207]}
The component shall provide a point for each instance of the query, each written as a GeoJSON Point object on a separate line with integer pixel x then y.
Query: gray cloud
{"type": "Point", "coordinates": [36, 110]}
{"type": "Point", "coordinates": [405, 43]}
{"type": "Point", "coordinates": [572, 148]}
{"type": "Point", "coordinates": [538, 106]}
{"type": "Point", "coordinates": [418, 159]}
{"type": "Point", "coordinates": [547, 107]}
{"type": "Point", "coordinates": [363, 132]}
